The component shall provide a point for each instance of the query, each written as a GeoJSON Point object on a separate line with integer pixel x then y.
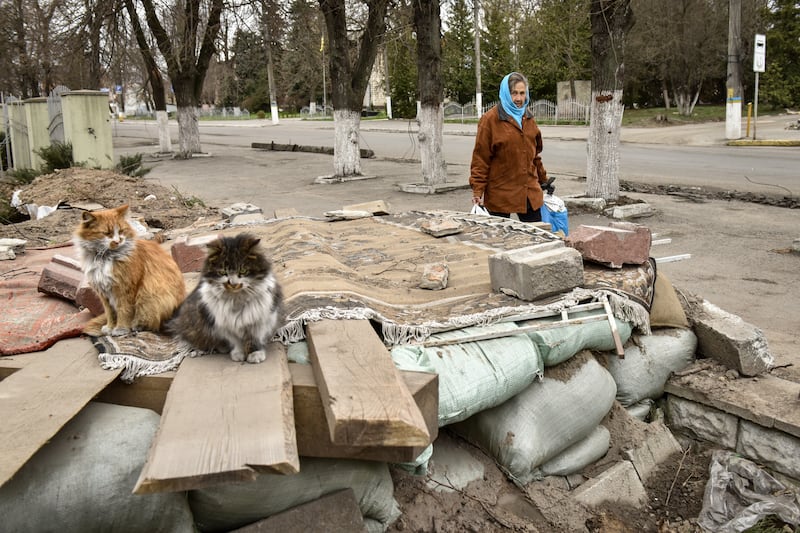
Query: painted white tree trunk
{"type": "Point", "coordinates": [434, 168]}
{"type": "Point", "coordinates": [346, 151]}
{"type": "Point", "coordinates": [188, 132]}
{"type": "Point", "coordinates": [273, 111]}
{"type": "Point", "coordinates": [164, 139]}
{"type": "Point", "coordinates": [602, 172]}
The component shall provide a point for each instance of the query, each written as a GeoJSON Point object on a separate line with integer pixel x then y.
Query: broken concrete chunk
{"type": "Point", "coordinates": [632, 211]}
{"type": "Point", "coordinates": [595, 204]}
{"type": "Point", "coordinates": [342, 214]}
{"type": "Point", "coordinates": [239, 208]}
{"type": "Point", "coordinates": [536, 271]}
{"type": "Point", "coordinates": [441, 227]}
{"type": "Point", "coordinates": [618, 484]}
{"type": "Point", "coordinates": [7, 253]}
{"type": "Point", "coordinates": [612, 246]}
{"type": "Point", "coordinates": [728, 339]}
{"type": "Point", "coordinates": [286, 212]}
{"type": "Point", "coordinates": [434, 276]}
{"type": "Point", "coordinates": [378, 207]}
{"type": "Point", "coordinates": [245, 218]}
{"type": "Point", "coordinates": [16, 245]}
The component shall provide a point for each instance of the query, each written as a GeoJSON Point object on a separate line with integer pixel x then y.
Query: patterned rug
{"type": "Point", "coordinates": [32, 321]}
{"type": "Point", "coordinates": [371, 268]}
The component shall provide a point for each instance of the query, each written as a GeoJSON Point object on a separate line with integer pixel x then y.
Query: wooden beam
{"type": "Point", "coordinates": [38, 400]}
{"type": "Point", "coordinates": [365, 400]}
{"type": "Point", "coordinates": [313, 435]}
{"type": "Point", "coordinates": [223, 422]}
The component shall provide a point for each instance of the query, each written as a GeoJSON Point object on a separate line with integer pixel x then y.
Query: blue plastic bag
{"type": "Point", "coordinates": [554, 212]}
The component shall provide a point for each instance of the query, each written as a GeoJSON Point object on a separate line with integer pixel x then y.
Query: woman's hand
{"type": "Point", "coordinates": [477, 200]}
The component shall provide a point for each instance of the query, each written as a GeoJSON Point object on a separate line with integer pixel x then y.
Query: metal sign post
{"type": "Point", "coordinates": [759, 62]}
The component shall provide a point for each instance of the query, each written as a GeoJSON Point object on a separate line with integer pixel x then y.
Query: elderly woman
{"type": "Point", "coordinates": [506, 173]}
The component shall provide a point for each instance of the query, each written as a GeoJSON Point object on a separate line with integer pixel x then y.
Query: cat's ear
{"type": "Point", "coordinates": [87, 217]}
{"type": "Point", "coordinates": [251, 242]}
{"type": "Point", "coordinates": [122, 210]}
{"type": "Point", "coordinates": [214, 247]}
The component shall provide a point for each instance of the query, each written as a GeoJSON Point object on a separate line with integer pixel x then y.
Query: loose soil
{"type": "Point", "coordinates": [492, 504]}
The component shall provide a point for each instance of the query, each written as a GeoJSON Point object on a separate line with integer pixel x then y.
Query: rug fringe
{"type": "Point", "coordinates": [134, 367]}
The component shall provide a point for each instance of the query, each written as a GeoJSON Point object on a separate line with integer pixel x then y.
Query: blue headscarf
{"type": "Point", "coordinates": [508, 103]}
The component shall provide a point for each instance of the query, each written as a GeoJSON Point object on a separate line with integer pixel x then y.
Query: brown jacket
{"type": "Point", "coordinates": [506, 163]}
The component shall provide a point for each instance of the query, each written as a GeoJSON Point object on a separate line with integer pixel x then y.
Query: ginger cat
{"type": "Point", "coordinates": [138, 282]}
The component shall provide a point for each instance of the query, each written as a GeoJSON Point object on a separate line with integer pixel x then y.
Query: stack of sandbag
{"type": "Point", "coordinates": [546, 420]}
{"type": "Point", "coordinates": [82, 480]}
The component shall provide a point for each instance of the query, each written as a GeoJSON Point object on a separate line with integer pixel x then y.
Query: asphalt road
{"type": "Point", "coordinates": [693, 155]}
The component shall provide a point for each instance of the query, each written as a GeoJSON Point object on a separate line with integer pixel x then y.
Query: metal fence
{"type": "Point", "coordinates": [570, 111]}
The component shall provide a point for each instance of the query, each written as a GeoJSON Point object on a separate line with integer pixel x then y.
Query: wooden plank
{"type": "Point", "coordinates": [366, 402]}
{"type": "Point", "coordinates": [313, 437]}
{"type": "Point", "coordinates": [223, 422]}
{"type": "Point", "coordinates": [38, 400]}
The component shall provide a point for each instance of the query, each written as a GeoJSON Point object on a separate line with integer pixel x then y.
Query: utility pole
{"type": "Point", "coordinates": [733, 85]}
{"type": "Point", "coordinates": [476, 14]}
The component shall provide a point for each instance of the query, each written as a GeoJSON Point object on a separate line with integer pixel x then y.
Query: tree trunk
{"type": "Point", "coordinates": [428, 23]}
{"type": "Point", "coordinates": [610, 21]}
{"type": "Point", "coordinates": [346, 150]}
{"type": "Point", "coordinates": [188, 129]}
{"type": "Point", "coordinates": [164, 139]}
{"type": "Point", "coordinates": [350, 70]}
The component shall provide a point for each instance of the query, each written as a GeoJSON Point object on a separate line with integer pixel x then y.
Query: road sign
{"type": "Point", "coordinates": [760, 53]}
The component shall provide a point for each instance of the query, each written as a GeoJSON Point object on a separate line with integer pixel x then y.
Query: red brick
{"type": "Point", "coordinates": [612, 246]}
{"type": "Point", "coordinates": [190, 253]}
{"type": "Point", "coordinates": [60, 280]}
{"type": "Point", "coordinates": [86, 297]}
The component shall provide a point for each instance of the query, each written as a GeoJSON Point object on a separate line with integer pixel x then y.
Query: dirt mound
{"type": "Point", "coordinates": [76, 189]}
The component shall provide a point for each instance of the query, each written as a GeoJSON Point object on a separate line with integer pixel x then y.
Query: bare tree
{"type": "Point", "coordinates": [428, 23]}
{"type": "Point", "coordinates": [610, 21]}
{"type": "Point", "coordinates": [187, 51]}
{"type": "Point", "coordinates": [350, 69]}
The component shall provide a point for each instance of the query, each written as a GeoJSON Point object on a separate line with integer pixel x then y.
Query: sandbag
{"type": "Point", "coordinates": [649, 361]}
{"type": "Point", "coordinates": [556, 345]}
{"type": "Point", "coordinates": [82, 480]}
{"type": "Point", "coordinates": [474, 376]}
{"type": "Point", "coordinates": [226, 507]}
{"type": "Point", "coordinates": [641, 409]}
{"type": "Point", "coordinates": [579, 455]}
{"type": "Point", "coordinates": [545, 419]}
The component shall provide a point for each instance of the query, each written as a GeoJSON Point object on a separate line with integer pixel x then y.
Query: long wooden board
{"type": "Point", "coordinates": [38, 400]}
{"type": "Point", "coordinates": [313, 437]}
{"type": "Point", "coordinates": [222, 422]}
{"type": "Point", "coordinates": [366, 401]}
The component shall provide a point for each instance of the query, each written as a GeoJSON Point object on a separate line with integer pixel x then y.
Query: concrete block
{"type": "Point", "coordinates": [537, 271]}
{"type": "Point", "coordinates": [190, 253]}
{"type": "Point", "coordinates": [727, 338]}
{"type": "Point", "coordinates": [618, 484]}
{"type": "Point", "coordinates": [775, 449]}
{"type": "Point", "coordinates": [702, 422]}
{"type": "Point", "coordinates": [656, 448]}
{"type": "Point", "coordinates": [612, 246]}
{"type": "Point", "coordinates": [337, 511]}
{"type": "Point", "coordinates": [286, 212]}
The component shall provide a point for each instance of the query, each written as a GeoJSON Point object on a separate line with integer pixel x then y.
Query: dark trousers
{"type": "Point", "coordinates": [531, 215]}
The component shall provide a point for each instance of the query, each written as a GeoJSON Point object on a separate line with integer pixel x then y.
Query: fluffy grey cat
{"type": "Point", "coordinates": [237, 305]}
